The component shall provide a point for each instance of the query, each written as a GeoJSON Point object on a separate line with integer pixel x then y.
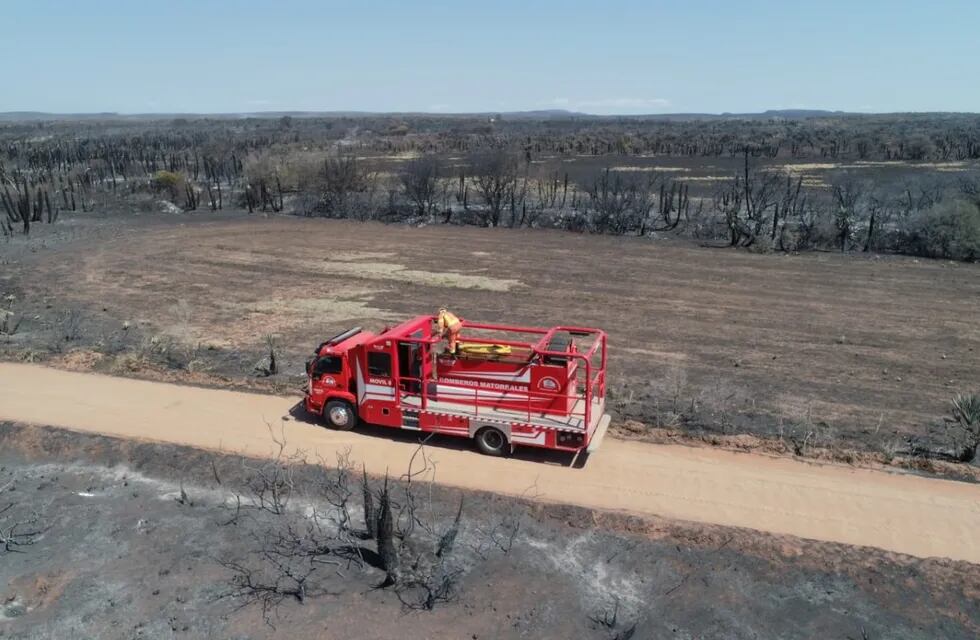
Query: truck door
{"type": "Point", "coordinates": [379, 369]}
{"type": "Point", "coordinates": [410, 368]}
{"type": "Point", "coordinates": [378, 401]}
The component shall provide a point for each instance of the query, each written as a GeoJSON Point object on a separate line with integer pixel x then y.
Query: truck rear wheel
{"type": "Point", "coordinates": [491, 441]}
{"type": "Point", "coordinates": [340, 415]}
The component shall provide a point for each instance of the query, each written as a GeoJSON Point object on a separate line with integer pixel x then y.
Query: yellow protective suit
{"type": "Point", "coordinates": [449, 325]}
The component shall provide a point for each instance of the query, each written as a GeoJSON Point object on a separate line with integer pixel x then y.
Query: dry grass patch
{"type": "Point", "coordinates": [284, 313]}
{"type": "Point", "coordinates": [395, 157]}
{"type": "Point", "coordinates": [327, 310]}
{"type": "Point", "coordinates": [650, 169]}
{"type": "Point", "coordinates": [367, 266]}
{"type": "Point", "coordinates": [393, 272]}
{"type": "Point", "coordinates": [660, 356]}
{"type": "Point", "coordinates": [810, 166]}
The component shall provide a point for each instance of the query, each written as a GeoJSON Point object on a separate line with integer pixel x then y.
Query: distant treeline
{"type": "Point", "coordinates": [912, 137]}
{"type": "Point", "coordinates": [489, 171]}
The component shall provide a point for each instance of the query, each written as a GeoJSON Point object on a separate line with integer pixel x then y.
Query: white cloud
{"type": "Point", "coordinates": [612, 105]}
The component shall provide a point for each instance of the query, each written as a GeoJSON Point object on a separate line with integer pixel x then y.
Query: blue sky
{"type": "Point", "coordinates": [616, 56]}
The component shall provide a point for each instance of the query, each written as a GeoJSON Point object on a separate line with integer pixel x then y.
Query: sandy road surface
{"type": "Point", "coordinates": [907, 514]}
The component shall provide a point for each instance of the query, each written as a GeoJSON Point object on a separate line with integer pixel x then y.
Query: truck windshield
{"type": "Point", "coordinates": [328, 364]}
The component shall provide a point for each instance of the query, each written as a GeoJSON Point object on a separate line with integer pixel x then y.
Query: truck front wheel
{"type": "Point", "coordinates": [340, 415]}
{"type": "Point", "coordinates": [491, 441]}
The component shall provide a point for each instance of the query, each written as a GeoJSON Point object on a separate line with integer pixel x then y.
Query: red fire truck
{"type": "Point", "coordinates": [545, 390]}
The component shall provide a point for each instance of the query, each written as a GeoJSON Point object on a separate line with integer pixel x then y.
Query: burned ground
{"type": "Point", "coordinates": [817, 349]}
{"type": "Point", "coordinates": [125, 555]}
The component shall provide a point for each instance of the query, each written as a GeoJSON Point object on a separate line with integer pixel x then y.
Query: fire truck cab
{"type": "Point", "coordinates": [545, 390]}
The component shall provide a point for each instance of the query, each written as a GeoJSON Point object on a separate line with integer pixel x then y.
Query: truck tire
{"type": "Point", "coordinates": [491, 441]}
{"type": "Point", "coordinates": [340, 415]}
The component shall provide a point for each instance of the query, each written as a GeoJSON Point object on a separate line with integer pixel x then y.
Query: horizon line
{"type": "Point", "coordinates": [553, 111]}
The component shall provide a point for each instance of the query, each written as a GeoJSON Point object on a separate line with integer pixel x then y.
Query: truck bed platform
{"type": "Point", "coordinates": [574, 422]}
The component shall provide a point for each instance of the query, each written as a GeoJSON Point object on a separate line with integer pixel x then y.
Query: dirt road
{"type": "Point", "coordinates": [913, 515]}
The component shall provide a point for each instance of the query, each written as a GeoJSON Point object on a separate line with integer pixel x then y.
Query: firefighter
{"type": "Point", "coordinates": [448, 325]}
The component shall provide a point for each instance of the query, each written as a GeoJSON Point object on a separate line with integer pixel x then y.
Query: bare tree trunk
{"type": "Point", "coordinates": [386, 536]}
{"type": "Point", "coordinates": [871, 230]}
{"type": "Point", "coordinates": [370, 515]}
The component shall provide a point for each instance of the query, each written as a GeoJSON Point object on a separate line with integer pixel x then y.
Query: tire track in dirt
{"type": "Point", "coordinates": [907, 514]}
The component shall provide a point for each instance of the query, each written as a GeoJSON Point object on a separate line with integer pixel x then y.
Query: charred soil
{"type": "Point", "coordinates": [133, 531]}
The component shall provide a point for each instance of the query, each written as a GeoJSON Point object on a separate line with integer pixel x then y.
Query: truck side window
{"type": "Point", "coordinates": [379, 364]}
{"type": "Point", "coordinates": [328, 364]}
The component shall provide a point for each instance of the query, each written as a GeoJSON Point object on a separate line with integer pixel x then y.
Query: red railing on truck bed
{"type": "Point", "coordinates": [593, 387]}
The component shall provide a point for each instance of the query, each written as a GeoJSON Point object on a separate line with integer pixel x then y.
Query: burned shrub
{"type": "Point", "coordinates": [303, 535]}
{"type": "Point", "coordinates": [10, 320]}
{"type": "Point", "coordinates": [344, 189]}
{"type": "Point", "coordinates": [19, 526]}
{"type": "Point", "coordinates": [170, 183]}
{"type": "Point", "coordinates": [422, 185]}
{"type": "Point", "coordinates": [948, 230]}
{"type": "Point", "coordinates": [619, 203]}
{"type": "Point", "coordinates": [963, 426]}
{"type": "Point", "coordinates": [495, 174]}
